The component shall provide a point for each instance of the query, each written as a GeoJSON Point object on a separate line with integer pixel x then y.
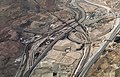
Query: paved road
{"type": "Point", "coordinates": [92, 60]}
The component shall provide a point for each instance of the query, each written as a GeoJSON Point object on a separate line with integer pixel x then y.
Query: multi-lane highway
{"type": "Point", "coordinates": [80, 16]}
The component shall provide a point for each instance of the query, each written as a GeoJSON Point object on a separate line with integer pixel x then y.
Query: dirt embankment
{"type": "Point", "coordinates": [15, 12]}
{"type": "Point", "coordinates": [12, 14]}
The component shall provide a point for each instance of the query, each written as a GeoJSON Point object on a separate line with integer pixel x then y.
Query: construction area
{"type": "Point", "coordinates": [59, 38]}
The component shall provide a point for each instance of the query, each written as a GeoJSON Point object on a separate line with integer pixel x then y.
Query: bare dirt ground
{"type": "Point", "coordinates": [13, 13]}
{"type": "Point", "coordinates": [108, 64]}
